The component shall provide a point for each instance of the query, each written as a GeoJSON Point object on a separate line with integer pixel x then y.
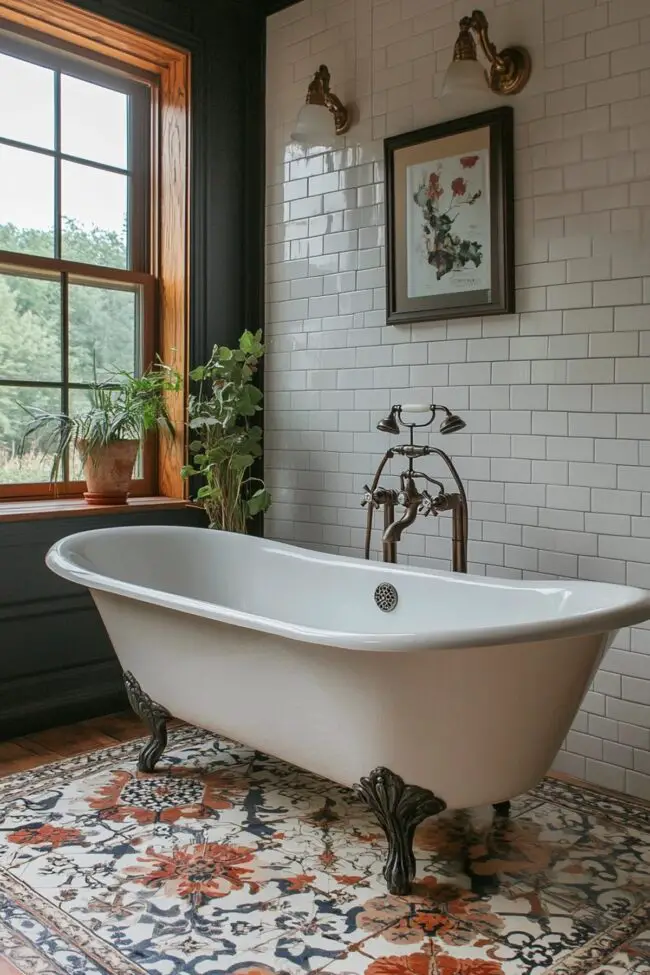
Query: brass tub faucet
{"type": "Point", "coordinates": [414, 500]}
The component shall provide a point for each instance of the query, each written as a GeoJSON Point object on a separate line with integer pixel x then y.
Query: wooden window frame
{"type": "Point", "coordinates": [140, 57]}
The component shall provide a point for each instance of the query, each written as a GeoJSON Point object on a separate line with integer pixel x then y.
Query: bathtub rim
{"type": "Point", "coordinates": [635, 608]}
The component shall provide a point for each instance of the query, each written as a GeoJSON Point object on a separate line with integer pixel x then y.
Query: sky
{"type": "Point", "coordinates": [93, 126]}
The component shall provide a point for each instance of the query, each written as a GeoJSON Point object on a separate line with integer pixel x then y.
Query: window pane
{"type": "Point", "coordinates": [94, 122]}
{"type": "Point", "coordinates": [30, 328]}
{"type": "Point", "coordinates": [32, 465]}
{"type": "Point", "coordinates": [26, 202]}
{"type": "Point", "coordinates": [27, 102]}
{"type": "Point", "coordinates": [104, 331]}
{"type": "Point", "coordinates": [94, 210]}
{"type": "Point", "coordinates": [78, 402]}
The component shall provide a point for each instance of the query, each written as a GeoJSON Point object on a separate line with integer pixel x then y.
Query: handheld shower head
{"type": "Point", "coordinates": [389, 424]}
{"type": "Point", "coordinates": [452, 424]}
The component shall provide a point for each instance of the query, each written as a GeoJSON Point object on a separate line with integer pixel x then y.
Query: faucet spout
{"type": "Point", "coordinates": [394, 532]}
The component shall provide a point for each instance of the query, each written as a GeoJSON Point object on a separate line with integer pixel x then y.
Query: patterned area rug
{"type": "Point", "coordinates": [227, 861]}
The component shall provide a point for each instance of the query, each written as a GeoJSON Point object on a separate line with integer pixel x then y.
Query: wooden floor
{"type": "Point", "coordinates": [56, 743]}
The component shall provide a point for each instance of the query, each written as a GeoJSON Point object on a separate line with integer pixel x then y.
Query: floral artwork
{"type": "Point", "coordinates": [227, 862]}
{"type": "Point", "coordinates": [448, 225]}
{"type": "Point", "coordinates": [450, 205]}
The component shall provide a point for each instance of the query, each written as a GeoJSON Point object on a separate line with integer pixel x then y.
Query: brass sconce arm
{"type": "Point", "coordinates": [509, 69]}
{"type": "Point", "coordinates": [319, 93]}
{"type": "Point", "coordinates": [479, 24]}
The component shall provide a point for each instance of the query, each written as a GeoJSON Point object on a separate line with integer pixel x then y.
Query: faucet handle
{"type": "Point", "coordinates": [444, 502]}
{"type": "Point", "coordinates": [427, 504]}
{"type": "Point", "coordinates": [379, 496]}
{"type": "Point", "coordinates": [368, 497]}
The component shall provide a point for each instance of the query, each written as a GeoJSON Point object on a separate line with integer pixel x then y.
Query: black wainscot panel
{"type": "Point", "coordinates": [56, 662]}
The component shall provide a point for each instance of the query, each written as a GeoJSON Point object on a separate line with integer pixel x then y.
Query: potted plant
{"type": "Point", "coordinates": [224, 442]}
{"type": "Point", "coordinates": [123, 411]}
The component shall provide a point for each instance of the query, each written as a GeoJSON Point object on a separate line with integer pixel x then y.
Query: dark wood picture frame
{"type": "Point", "coordinates": [496, 128]}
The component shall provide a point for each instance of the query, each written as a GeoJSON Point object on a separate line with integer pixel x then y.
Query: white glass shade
{"type": "Point", "coordinates": [464, 76]}
{"type": "Point", "coordinates": [314, 126]}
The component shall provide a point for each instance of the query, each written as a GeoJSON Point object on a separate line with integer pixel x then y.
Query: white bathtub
{"type": "Point", "coordinates": [466, 689]}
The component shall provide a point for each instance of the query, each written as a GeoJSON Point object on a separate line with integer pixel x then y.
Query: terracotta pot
{"type": "Point", "coordinates": [108, 471]}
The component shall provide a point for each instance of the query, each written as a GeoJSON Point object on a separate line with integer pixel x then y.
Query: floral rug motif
{"type": "Point", "coordinates": [227, 862]}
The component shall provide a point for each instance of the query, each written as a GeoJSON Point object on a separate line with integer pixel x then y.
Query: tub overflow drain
{"type": "Point", "coordinates": [386, 597]}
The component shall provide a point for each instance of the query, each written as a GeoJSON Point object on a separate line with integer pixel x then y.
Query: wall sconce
{"type": "Point", "coordinates": [323, 116]}
{"type": "Point", "coordinates": [509, 69]}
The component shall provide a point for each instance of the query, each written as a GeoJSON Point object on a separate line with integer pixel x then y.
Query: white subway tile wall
{"type": "Point", "coordinates": [556, 454]}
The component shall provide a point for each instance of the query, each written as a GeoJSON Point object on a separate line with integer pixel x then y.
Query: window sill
{"type": "Point", "coordinates": [77, 508]}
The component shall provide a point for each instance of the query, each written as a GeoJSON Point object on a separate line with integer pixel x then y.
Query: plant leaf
{"type": "Point", "coordinates": [260, 501]}
{"type": "Point", "coordinates": [241, 461]}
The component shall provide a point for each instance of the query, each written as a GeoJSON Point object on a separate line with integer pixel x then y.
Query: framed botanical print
{"type": "Point", "coordinates": [450, 220]}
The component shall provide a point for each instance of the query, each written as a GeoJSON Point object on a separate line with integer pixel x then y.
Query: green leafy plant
{"type": "Point", "coordinates": [224, 442]}
{"type": "Point", "coordinates": [124, 407]}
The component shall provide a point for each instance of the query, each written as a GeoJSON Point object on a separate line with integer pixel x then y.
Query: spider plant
{"type": "Point", "coordinates": [123, 407]}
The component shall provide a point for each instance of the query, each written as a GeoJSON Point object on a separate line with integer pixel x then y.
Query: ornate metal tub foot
{"type": "Point", "coordinates": [502, 809]}
{"type": "Point", "coordinates": [155, 716]}
{"type": "Point", "coordinates": [399, 808]}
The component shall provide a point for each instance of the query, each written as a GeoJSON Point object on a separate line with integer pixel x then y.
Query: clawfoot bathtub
{"type": "Point", "coordinates": [428, 689]}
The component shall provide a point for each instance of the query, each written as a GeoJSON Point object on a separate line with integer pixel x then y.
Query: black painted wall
{"type": "Point", "coordinates": [56, 663]}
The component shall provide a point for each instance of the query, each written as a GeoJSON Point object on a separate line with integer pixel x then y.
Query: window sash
{"type": "Point", "coordinates": [138, 172]}
{"type": "Point", "coordinates": [166, 67]}
{"type": "Point", "coordinates": [84, 274]}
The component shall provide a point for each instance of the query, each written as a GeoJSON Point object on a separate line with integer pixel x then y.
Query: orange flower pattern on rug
{"type": "Point", "coordinates": [197, 873]}
{"type": "Point", "coordinates": [152, 798]}
{"type": "Point", "coordinates": [513, 848]}
{"type": "Point", "coordinates": [452, 914]}
{"type": "Point", "coordinates": [301, 881]}
{"type": "Point", "coordinates": [444, 835]}
{"type": "Point", "coordinates": [427, 964]}
{"type": "Point", "coordinates": [47, 835]}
